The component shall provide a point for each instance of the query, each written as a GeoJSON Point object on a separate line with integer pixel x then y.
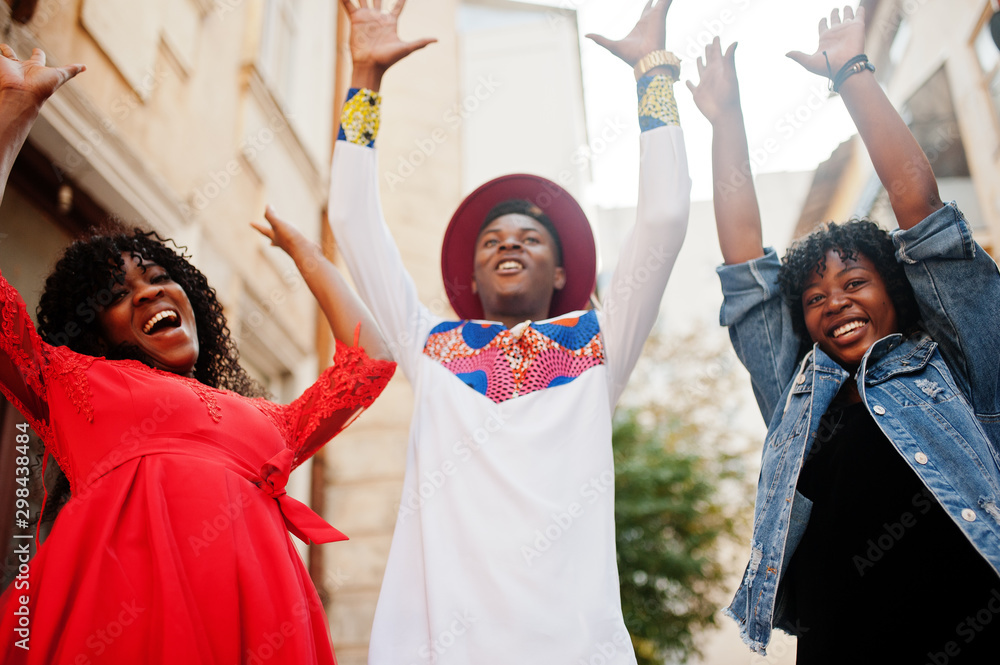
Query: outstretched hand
{"type": "Point", "coordinates": [375, 42]}
{"type": "Point", "coordinates": [841, 40]}
{"type": "Point", "coordinates": [648, 35]}
{"type": "Point", "coordinates": [31, 77]}
{"type": "Point", "coordinates": [342, 308]}
{"type": "Point", "coordinates": [718, 91]}
{"type": "Point", "coordinates": [281, 234]}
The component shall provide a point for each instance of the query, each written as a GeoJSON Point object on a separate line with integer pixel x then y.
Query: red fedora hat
{"type": "Point", "coordinates": [577, 238]}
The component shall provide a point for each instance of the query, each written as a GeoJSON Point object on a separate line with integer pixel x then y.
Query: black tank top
{"type": "Point", "coordinates": [883, 574]}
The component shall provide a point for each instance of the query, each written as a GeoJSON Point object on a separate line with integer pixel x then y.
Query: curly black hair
{"type": "Point", "coordinates": [81, 285]}
{"type": "Point", "coordinates": [858, 236]}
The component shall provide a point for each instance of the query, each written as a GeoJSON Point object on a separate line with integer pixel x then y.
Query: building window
{"type": "Point", "coordinates": [276, 58]}
{"type": "Point", "coordinates": [989, 60]}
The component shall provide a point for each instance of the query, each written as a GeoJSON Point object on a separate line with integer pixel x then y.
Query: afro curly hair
{"type": "Point", "coordinates": [858, 236]}
{"type": "Point", "coordinates": [81, 285]}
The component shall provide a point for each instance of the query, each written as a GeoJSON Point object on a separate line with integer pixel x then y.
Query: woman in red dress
{"type": "Point", "coordinates": [174, 547]}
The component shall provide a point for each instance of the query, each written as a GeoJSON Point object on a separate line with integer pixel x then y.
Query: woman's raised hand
{"type": "Point", "coordinates": [648, 35]}
{"type": "Point", "coordinates": [282, 234]}
{"type": "Point", "coordinates": [341, 306]}
{"type": "Point", "coordinates": [840, 40]}
{"type": "Point", "coordinates": [718, 92]}
{"type": "Point", "coordinates": [375, 42]}
{"type": "Point", "coordinates": [31, 77]}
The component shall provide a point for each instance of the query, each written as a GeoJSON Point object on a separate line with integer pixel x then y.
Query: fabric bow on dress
{"type": "Point", "coordinates": [299, 518]}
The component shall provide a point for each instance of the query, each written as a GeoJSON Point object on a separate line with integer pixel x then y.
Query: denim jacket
{"type": "Point", "coordinates": [935, 395]}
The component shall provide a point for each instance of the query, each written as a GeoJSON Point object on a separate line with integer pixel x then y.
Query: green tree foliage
{"type": "Point", "coordinates": [681, 496]}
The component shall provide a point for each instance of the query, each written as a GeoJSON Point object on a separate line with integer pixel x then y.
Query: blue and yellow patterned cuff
{"type": "Point", "coordinates": [360, 117]}
{"type": "Point", "coordinates": [657, 106]}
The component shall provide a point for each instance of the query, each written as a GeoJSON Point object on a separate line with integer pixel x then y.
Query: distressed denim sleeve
{"type": "Point", "coordinates": [760, 327]}
{"type": "Point", "coordinates": [957, 287]}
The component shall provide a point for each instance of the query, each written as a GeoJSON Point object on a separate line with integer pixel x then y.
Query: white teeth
{"type": "Point", "coordinates": [848, 327]}
{"type": "Point", "coordinates": [509, 264]}
{"type": "Point", "coordinates": [165, 314]}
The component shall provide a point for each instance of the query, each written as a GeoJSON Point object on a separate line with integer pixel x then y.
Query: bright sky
{"type": "Point", "coordinates": [792, 122]}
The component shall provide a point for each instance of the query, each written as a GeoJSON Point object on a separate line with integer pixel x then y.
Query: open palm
{"type": "Point", "coordinates": [839, 41]}
{"type": "Point", "coordinates": [717, 91]}
{"type": "Point", "coordinates": [648, 35]}
{"type": "Point", "coordinates": [31, 76]}
{"type": "Point", "coordinates": [375, 38]}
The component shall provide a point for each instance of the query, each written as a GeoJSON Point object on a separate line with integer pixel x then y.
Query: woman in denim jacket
{"type": "Point", "coordinates": [874, 361]}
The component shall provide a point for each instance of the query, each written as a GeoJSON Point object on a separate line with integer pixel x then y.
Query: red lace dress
{"type": "Point", "coordinates": [175, 546]}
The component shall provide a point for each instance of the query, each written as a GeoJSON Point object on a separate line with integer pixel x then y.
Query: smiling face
{"type": "Point", "coordinates": [152, 312]}
{"type": "Point", "coordinates": [515, 271]}
{"type": "Point", "coordinates": [847, 307]}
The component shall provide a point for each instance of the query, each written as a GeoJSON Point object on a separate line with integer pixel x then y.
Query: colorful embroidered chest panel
{"type": "Point", "coordinates": [503, 364]}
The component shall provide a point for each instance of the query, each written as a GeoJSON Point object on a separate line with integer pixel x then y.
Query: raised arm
{"type": "Point", "coordinates": [24, 87]}
{"type": "Point", "coordinates": [899, 162]}
{"type": "Point", "coordinates": [355, 214]}
{"type": "Point", "coordinates": [759, 325]}
{"type": "Point", "coordinates": [342, 308]}
{"type": "Point", "coordinates": [737, 215]}
{"type": "Point", "coordinates": [648, 36]}
{"type": "Point", "coordinates": [631, 301]}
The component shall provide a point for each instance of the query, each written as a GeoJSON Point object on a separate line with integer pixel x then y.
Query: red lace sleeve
{"type": "Point", "coordinates": [340, 394]}
{"type": "Point", "coordinates": [22, 361]}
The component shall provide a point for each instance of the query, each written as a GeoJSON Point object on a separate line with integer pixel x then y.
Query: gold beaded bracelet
{"type": "Point", "coordinates": [657, 59]}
